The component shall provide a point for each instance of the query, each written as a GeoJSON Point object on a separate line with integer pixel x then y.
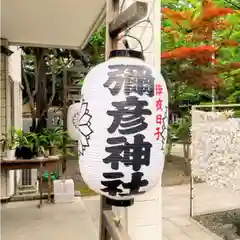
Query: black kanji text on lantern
{"type": "Point", "coordinates": [128, 116]}
{"type": "Point", "coordinates": [135, 154]}
{"type": "Point", "coordinates": [135, 184]}
{"type": "Point", "coordinates": [112, 187]}
{"type": "Point", "coordinates": [135, 78]}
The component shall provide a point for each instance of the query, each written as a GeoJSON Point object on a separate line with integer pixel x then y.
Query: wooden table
{"type": "Point", "coordinates": [44, 164]}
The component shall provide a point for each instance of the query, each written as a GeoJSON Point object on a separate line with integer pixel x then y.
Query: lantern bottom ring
{"type": "Point", "coordinates": [120, 203]}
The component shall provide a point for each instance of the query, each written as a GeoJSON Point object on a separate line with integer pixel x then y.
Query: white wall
{"type": "Point", "coordinates": [14, 71]}
{"type": "Point", "coordinates": [16, 75]}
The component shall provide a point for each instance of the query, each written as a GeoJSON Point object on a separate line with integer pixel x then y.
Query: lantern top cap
{"type": "Point", "coordinates": [126, 53]}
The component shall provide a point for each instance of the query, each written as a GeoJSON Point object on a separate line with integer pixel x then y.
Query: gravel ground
{"type": "Point", "coordinates": [219, 222]}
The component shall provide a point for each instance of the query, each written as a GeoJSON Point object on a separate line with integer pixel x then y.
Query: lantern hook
{"type": "Point", "coordinates": [130, 36]}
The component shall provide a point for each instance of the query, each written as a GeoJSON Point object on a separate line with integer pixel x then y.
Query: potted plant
{"type": "Point", "coordinates": [40, 144]}
{"type": "Point", "coordinates": [65, 146]}
{"type": "Point", "coordinates": [53, 137]}
{"type": "Point", "coordinates": [40, 152]}
{"type": "Point", "coordinates": [25, 141]}
{"type": "Point", "coordinates": [8, 144]}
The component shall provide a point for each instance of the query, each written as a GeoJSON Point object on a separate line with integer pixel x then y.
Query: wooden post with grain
{"type": "Point", "coordinates": [116, 23]}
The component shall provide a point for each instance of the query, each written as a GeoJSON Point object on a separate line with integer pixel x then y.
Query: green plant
{"type": "Point", "coordinates": [25, 139]}
{"type": "Point", "coordinates": [183, 130]}
{"type": "Point", "coordinates": [64, 144]}
{"type": "Point", "coordinates": [3, 142]}
{"type": "Point", "coordinates": [31, 138]}
{"type": "Point", "coordinates": [171, 138]}
{"type": "Point", "coordinates": [40, 143]}
{"type": "Point", "coordinates": [21, 140]}
{"type": "Point", "coordinates": [8, 141]}
{"type": "Point", "coordinates": [53, 136]}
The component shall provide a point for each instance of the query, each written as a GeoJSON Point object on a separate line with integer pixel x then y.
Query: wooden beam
{"type": "Point", "coordinates": [112, 9]}
{"type": "Point", "coordinates": [116, 231]}
{"type": "Point", "coordinates": [6, 51]}
{"type": "Point", "coordinates": [64, 112]}
{"type": "Point", "coordinates": [127, 18]}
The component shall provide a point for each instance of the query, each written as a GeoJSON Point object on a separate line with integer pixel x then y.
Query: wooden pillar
{"type": "Point", "coordinates": [143, 220]}
{"type": "Point", "coordinates": [112, 10]}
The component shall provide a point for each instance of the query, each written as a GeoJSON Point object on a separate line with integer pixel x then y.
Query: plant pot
{"type": "Point", "coordinates": [46, 153]}
{"type": "Point", "coordinates": [52, 152]}
{"type": "Point", "coordinates": [26, 153]}
{"type": "Point", "coordinates": [10, 155]}
{"type": "Point", "coordinates": [18, 152]}
{"type": "Point", "coordinates": [40, 156]}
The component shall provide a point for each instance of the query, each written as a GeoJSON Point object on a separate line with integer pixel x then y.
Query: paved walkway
{"type": "Point", "coordinates": [176, 221]}
{"type": "Point", "coordinates": [177, 225]}
{"type": "Point", "coordinates": [79, 220]}
{"type": "Point", "coordinates": [23, 221]}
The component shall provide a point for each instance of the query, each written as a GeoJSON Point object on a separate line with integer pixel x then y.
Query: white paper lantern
{"type": "Point", "coordinates": [72, 125]}
{"type": "Point", "coordinates": [126, 103]}
{"type": "Point", "coordinates": [78, 124]}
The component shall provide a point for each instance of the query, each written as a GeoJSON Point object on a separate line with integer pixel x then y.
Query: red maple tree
{"type": "Point", "coordinates": [198, 30]}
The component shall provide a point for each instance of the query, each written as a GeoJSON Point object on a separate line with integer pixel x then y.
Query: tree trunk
{"type": "Point", "coordinates": [41, 95]}
{"type": "Point", "coordinates": [34, 122]}
{"type": "Point", "coordinates": [169, 149]}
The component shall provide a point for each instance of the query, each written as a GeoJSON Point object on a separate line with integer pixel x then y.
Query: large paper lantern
{"type": "Point", "coordinates": [126, 104]}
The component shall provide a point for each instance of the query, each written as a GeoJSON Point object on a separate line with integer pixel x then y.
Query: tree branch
{"type": "Point", "coordinates": [222, 44]}
{"type": "Point", "coordinates": [37, 69]}
{"type": "Point", "coordinates": [233, 4]}
{"type": "Point", "coordinates": [30, 96]}
{"type": "Point", "coordinates": [53, 81]}
{"type": "Point", "coordinates": [54, 72]}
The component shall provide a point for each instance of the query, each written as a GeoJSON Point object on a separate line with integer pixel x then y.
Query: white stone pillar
{"type": "Point", "coordinates": [3, 87]}
{"type": "Point", "coordinates": [7, 180]}
{"type": "Point", "coordinates": [15, 72]}
{"type": "Point", "coordinates": [143, 220]}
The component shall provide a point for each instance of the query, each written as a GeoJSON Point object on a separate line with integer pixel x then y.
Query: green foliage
{"type": "Point", "coordinates": [41, 143]}
{"type": "Point", "coordinates": [181, 131]}
{"type": "Point", "coordinates": [179, 91]}
{"type": "Point", "coordinates": [236, 114]}
{"type": "Point", "coordinates": [53, 136]}
{"type": "Point", "coordinates": [8, 141]}
{"type": "Point", "coordinates": [17, 138]}
{"type": "Point", "coordinates": [54, 62]}
{"type": "Point", "coordinates": [24, 139]}
{"type": "Point", "coordinates": [58, 138]}
{"type": "Point", "coordinates": [96, 47]}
